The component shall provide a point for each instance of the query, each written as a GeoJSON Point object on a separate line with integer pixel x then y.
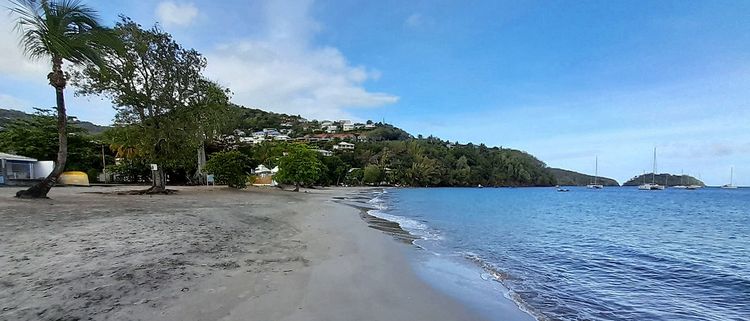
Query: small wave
{"type": "Point", "coordinates": [412, 226]}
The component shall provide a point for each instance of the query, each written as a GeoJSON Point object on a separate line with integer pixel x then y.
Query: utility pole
{"type": "Point", "coordinates": [104, 165]}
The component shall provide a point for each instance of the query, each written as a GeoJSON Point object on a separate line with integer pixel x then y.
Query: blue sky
{"type": "Point", "coordinates": [563, 80]}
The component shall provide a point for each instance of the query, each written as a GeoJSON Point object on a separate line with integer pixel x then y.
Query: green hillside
{"type": "Point", "coordinates": [570, 178]}
{"type": "Point", "coordinates": [664, 179]}
{"type": "Point", "coordinates": [8, 115]}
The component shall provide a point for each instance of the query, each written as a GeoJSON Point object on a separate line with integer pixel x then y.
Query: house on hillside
{"type": "Point", "coordinates": [324, 152]}
{"type": "Point", "coordinates": [282, 138]}
{"type": "Point", "coordinates": [332, 129]}
{"type": "Point", "coordinates": [348, 127]}
{"type": "Point", "coordinates": [370, 126]}
{"type": "Point", "coordinates": [344, 146]}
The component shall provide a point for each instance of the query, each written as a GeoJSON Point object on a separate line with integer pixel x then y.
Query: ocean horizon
{"type": "Point", "coordinates": [611, 254]}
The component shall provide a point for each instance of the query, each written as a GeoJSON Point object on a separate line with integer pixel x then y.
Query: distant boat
{"type": "Point", "coordinates": [480, 186]}
{"type": "Point", "coordinates": [731, 180]}
{"type": "Point", "coordinates": [682, 182]}
{"type": "Point", "coordinates": [652, 186]}
{"type": "Point", "coordinates": [596, 185]}
{"type": "Point", "coordinates": [560, 189]}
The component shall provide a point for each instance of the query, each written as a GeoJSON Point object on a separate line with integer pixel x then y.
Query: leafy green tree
{"type": "Point", "coordinates": [300, 165]}
{"type": "Point", "coordinates": [336, 170]}
{"type": "Point", "coordinates": [59, 31]}
{"type": "Point", "coordinates": [165, 108]}
{"type": "Point", "coordinates": [36, 137]}
{"type": "Point", "coordinates": [372, 175]}
{"type": "Point", "coordinates": [230, 167]}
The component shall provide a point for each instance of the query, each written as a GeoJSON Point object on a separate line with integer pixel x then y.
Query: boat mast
{"type": "Point", "coordinates": [596, 169]}
{"type": "Point", "coordinates": [653, 174]}
{"type": "Point", "coordinates": [731, 176]}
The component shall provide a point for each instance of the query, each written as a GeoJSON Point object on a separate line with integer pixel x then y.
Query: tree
{"type": "Point", "coordinates": [165, 108]}
{"type": "Point", "coordinates": [230, 167]}
{"type": "Point", "coordinates": [36, 137]}
{"type": "Point", "coordinates": [299, 166]}
{"type": "Point", "coordinates": [64, 30]}
{"type": "Point", "coordinates": [372, 175]}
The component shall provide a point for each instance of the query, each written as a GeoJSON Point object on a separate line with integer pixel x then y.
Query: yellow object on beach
{"type": "Point", "coordinates": [74, 178]}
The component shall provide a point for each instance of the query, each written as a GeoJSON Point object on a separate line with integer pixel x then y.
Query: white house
{"type": "Point", "coordinates": [370, 126]}
{"type": "Point", "coordinates": [348, 127]}
{"type": "Point", "coordinates": [332, 129]}
{"type": "Point", "coordinates": [344, 146]}
{"type": "Point", "coordinates": [281, 137]}
{"type": "Point", "coordinates": [326, 124]}
{"type": "Point", "coordinates": [21, 168]}
{"type": "Point", "coordinates": [324, 152]}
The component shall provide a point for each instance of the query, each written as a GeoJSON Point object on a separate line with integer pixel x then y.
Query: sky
{"type": "Point", "coordinates": [566, 81]}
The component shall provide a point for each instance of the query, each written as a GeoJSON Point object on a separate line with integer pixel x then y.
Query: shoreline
{"type": "Point", "coordinates": [206, 253]}
{"type": "Point", "coordinates": [458, 276]}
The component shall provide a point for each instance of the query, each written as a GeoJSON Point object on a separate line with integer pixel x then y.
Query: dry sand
{"type": "Point", "coordinates": [206, 253]}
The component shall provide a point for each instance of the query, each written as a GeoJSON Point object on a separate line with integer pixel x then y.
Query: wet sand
{"type": "Point", "coordinates": [206, 253]}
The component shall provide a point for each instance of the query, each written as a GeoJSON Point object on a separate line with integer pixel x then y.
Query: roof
{"type": "Point", "coordinates": [12, 157]}
{"type": "Point", "coordinates": [346, 144]}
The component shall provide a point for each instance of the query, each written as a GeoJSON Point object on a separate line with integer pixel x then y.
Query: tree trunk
{"type": "Point", "coordinates": [40, 190]}
{"type": "Point", "coordinates": [158, 182]}
{"type": "Point", "coordinates": [296, 186]}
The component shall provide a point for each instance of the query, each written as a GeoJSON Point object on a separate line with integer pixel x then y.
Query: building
{"type": "Point", "coordinates": [20, 170]}
{"type": "Point", "coordinates": [332, 129]}
{"type": "Point", "coordinates": [324, 152]}
{"type": "Point", "coordinates": [370, 126]}
{"type": "Point", "coordinates": [348, 127]}
{"type": "Point", "coordinates": [264, 176]}
{"type": "Point", "coordinates": [282, 137]}
{"type": "Point", "coordinates": [344, 146]}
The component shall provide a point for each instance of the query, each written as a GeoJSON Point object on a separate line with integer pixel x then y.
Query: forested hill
{"type": "Point", "coordinates": [664, 179]}
{"type": "Point", "coordinates": [571, 178]}
{"type": "Point", "coordinates": [8, 115]}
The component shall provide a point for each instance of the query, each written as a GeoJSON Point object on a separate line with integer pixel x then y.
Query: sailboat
{"type": "Point", "coordinates": [652, 186]}
{"type": "Point", "coordinates": [682, 182]}
{"type": "Point", "coordinates": [596, 185]}
{"type": "Point", "coordinates": [731, 180]}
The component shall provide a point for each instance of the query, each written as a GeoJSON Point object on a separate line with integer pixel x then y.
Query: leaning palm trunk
{"type": "Point", "coordinates": [58, 81]}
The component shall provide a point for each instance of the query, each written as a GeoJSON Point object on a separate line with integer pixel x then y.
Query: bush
{"type": "Point", "coordinates": [231, 168]}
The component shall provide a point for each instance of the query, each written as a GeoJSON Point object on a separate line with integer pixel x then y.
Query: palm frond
{"type": "Point", "coordinates": [67, 29]}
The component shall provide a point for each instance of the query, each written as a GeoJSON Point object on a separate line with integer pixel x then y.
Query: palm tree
{"type": "Point", "coordinates": [64, 30]}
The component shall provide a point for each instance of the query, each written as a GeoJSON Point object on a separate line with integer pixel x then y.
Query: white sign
{"type": "Point", "coordinates": [154, 167]}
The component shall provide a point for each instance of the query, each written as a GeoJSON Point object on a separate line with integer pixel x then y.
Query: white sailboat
{"type": "Point", "coordinates": [682, 182]}
{"type": "Point", "coordinates": [596, 185]}
{"type": "Point", "coordinates": [731, 180]}
{"type": "Point", "coordinates": [652, 186]}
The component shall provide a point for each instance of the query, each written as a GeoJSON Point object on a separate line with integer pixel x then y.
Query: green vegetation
{"type": "Point", "coordinates": [300, 166]}
{"type": "Point", "coordinates": [230, 167]}
{"type": "Point", "coordinates": [35, 136]}
{"type": "Point", "coordinates": [664, 179]}
{"type": "Point", "coordinates": [59, 31]}
{"type": "Point", "coordinates": [166, 109]}
{"type": "Point", "coordinates": [169, 114]}
{"type": "Point", "coordinates": [570, 178]}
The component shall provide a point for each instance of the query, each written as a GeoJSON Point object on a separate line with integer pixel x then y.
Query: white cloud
{"type": "Point", "coordinates": [283, 71]}
{"type": "Point", "coordinates": [173, 14]}
{"type": "Point", "coordinates": [414, 20]}
{"type": "Point", "coordinates": [12, 60]}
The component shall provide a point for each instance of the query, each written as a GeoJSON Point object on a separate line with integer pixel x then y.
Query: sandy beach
{"type": "Point", "coordinates": [205, 253]}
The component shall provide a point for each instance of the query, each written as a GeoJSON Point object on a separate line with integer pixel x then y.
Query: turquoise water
{"type": "Point", "coordinates": [611, 254]}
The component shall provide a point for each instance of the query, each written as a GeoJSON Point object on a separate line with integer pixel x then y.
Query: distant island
{"type": "Point", "coordinates": [665, 179]}
{"type": "Point", "coordinates": [566, 177]}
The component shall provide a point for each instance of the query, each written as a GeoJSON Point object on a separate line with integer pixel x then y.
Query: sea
{"type": "Point", "coordinates": [618, 253]}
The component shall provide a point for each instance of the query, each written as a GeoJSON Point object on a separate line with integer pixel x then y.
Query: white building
{"type": "Point", "coordinates": [332, 129]}
{"type": "Point", "coordinates": [324, 152]}
{"type": "Point", "coordinates": [281, 137]}
{"type": "Point", "coordinates": [348, 127]}
{"type": "Point", "coordinates": [344, 146]}
{"type": "Point", "coordinates": [370, 126]}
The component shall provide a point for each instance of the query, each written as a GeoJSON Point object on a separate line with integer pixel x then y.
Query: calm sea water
{"type": "Point", "coordinates": [611, 254]}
